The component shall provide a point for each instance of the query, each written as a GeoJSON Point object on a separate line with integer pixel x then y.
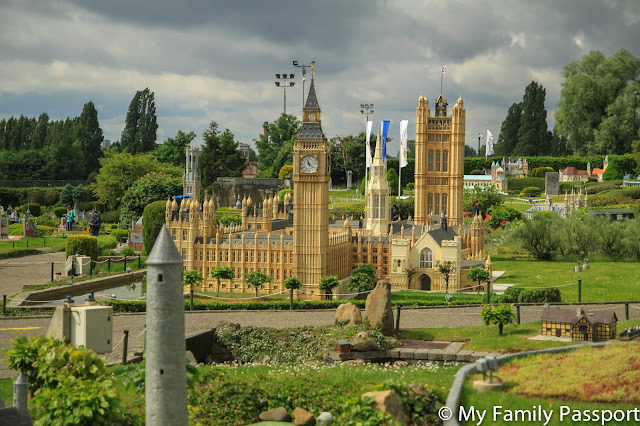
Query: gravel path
{"type": "Point", "coordinates": [35, 269]}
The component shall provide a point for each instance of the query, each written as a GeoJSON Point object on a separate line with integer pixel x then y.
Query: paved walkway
{"type": "Point", "coordinates": [35, 269]}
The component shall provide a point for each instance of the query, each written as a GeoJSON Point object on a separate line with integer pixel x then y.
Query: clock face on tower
{"type": "Point", "coordinates": [309, 164]}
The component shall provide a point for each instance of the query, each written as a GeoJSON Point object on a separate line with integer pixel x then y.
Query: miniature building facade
{"type": "Point", "coordinates": [296, 238]}
{"type": "Point", "coordinates": [579, 325]}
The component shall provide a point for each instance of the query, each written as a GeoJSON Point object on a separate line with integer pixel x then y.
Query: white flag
{"type": "Point", "coordinates": [489, 147]}
{"type": "Point", "coordinates": [369, 125]}
{"type": "Point", "coordinates": [403, 143]}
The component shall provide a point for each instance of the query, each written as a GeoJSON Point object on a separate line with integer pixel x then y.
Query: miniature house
{"type": "Point", "coordinates": [578, 324]}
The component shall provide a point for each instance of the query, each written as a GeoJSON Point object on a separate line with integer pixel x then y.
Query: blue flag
{"type": "Point", "coordinates": [385, 130]}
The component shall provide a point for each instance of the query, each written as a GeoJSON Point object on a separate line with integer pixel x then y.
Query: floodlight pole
{"type": "Point", "coordinates": [285, 83]}
{"type": "Point", "coordinates": [635, 97]}
{"type": "Point", "coordinates": [479, 139]}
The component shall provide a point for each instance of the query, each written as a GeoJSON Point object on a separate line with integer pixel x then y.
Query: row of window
{"type": "Point", "coordinates": [437, 181]}
{"type": "Point", "coordinates": [377, 208]}
{"type": "Point", "coordinates": [433, 203]}
{"type": "Point", "coordinates": [437, 137]}
{"type": "Point", "coordinates": [444, 163]}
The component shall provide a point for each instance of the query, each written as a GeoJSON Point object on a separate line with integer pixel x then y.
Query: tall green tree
{"type": "Point", "coordinates": [591, 85]}
{"type": "Point", "coordinates": [275, 149]}
{"type": "Point", "coordinates": [533, 138]}
{"type": "Point", "coordinates": [154, 186]}
{"type": "Point", "coordinates": [508, 138]}
{"type": "Point", "coordinates": [39, 135]}
{"type": "Point", "coordinates": [173, 150]}
{"type": "Point", "coordinates": [140, 128]}
{"type": "Point", "coordinates": [614, 135]}
{"type": "Point", "coordinates": [220, 156]}
{"type": "Point", "coordinates": [89, 134]}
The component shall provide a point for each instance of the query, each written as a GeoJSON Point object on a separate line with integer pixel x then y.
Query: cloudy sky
{"type": "Point", "coordinates": [215, 60]}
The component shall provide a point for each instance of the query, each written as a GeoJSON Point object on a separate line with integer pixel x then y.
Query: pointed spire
{"type": "Point", "coordinates": [164, 250]}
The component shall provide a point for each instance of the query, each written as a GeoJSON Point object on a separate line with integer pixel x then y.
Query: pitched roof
{"type": "Point", "coordinates": [571, 316]}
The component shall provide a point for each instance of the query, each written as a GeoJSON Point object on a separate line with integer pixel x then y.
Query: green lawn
{"type": "Point", "coordinates": [603, 281]}
{"type": "Point", "coordinates": [485, 338]}
{"type": "Point", "coordinates": [6, 392]}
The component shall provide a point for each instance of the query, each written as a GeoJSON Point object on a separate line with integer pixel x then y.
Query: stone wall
{"type": "Point", "coordinates": [226, 190]}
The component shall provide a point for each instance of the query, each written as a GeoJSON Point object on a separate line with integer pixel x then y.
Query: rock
{"type": "Point", "coordinates": [399, 362]}
{"type": "Point", "coordinates": [225, 327]}
{"type": "Point", "coordinates": [390, 402]}
{"type": "Point", "coordinates": [302, 417]}
{"type": "Point", "coordinates": [220, 352]}
{"type": "Point", "coordinates": [325, 418]}
{"type": "Point", "coordinates": [190, 358]}
{"type": "Point", "coordinates": [419, 389]}
{"type": "Point", "coordinates": [378, 307]}
{"type": "Point", "coordinates": [349, 312]}
{"type": "Point", "coordinates": [363, 342]}
{"type": "Point", "coordinates": [275, 415]}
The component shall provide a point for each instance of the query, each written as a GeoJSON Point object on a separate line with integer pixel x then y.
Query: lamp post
{"type": "Point", "coordinates": [284, 84]}
{"type": "Point", "coordinates": [304, 72]}
{"type": "Point", "coordinates": [635, 97]}
{"type": "Point", "coordinates": [479, 139]}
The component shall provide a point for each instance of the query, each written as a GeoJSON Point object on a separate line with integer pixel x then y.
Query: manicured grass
{"type": "Point", "coordinates": [603, 281]}
{"type": "Point", "coordinates": [28, 246]}
{"type": "Point", "coordinates": [485, 338]}
{"type": "Point", "coordinates": [407, 297]}
{"type": "Point", "coordinates": [568, 379]}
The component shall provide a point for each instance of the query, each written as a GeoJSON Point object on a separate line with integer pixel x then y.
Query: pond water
{"type": "Point", "coordinates": [124, 292]}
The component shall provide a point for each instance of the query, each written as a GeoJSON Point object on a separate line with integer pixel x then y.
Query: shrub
{"type": "Point", "coordinates": [66, 195]}
{"type": "Point", "coordinates": [285, 171]}
{"type": "Point", "coordinates": [59, 211]}
{"type": "Point", "coordinates": [476, 172]}
{"type": "Point", "coordinates": [486, 197]}
{"type": "Point", "coordinates": [120, 235]}
{"type": "Point", "coordinates": [283, 192]}
{"type": "Point", "coordinates": [152, 221]}
{"type": "Point", "coordinates": [107, 242]}
{"type": "Point", "coordinates": [34, 209]}
{"type": "Point", "coordinates": [534, 295]}
{"type": "Point", "coordinates": [405, 206]}
{"type": "Point", "coordinates": [540, 236]}
{"type": "Point", "coordinates": [47, 220]}
{"type": "Point", "coordinates": [15, 229]}
{"type": "Point", "coordinates": [44, 231]}
{"type": "Point", "coordinates": [229, 219]}
{"type": "Point", "coordinates": [90, 205]}
{"type": "Point", "coordinates": [501, 215]}
{"type": "Point", "coordinates": [112, 216]}
{"type": "Point", "coordinates": [410, 186]}
{"type": "Point", "coordinates": [531, 191]}
{"type": "Point", "coordinates": [147, 189]}
{"type": "Point", "coordinates": [127, 251]}
{"type": "Point", "coordinates": [344, 210]}
{"type": "Point", "coordinates": [516, 185]}
{"type": "Point", "coordinates": [82, 244]}
{"type": "Point", "coordinates": [540, 172]}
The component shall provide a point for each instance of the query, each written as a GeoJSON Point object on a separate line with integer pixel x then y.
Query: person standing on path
{"type": "Point", "coordinates": [71, 217]}
{"type": "Point", "coordinates": [94, 226]}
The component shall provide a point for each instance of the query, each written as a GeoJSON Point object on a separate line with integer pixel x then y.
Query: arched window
{"type": "Point", "coordinates": [426, 258]}
{"type": "Point", "coordinates": [376, 206]}
{"type": "Point", "coordinates": [437, 160]}
{"type": "Point", "coordinates": [430, 163]}
{"type": "Point", "coordinates": [430, 203]}
{"type": "Point", "coordinates": [445, 161]}
{"type": "Point", "coordinates": [436, 209]}
{"type": "Point", "coordinates": [444, 204]}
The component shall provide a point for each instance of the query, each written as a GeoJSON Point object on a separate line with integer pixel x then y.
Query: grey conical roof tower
{"type": "Point", "coordinates": [166, 377]}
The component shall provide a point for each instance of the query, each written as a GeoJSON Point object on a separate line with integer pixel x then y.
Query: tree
{"type": "Point", "coordinates": [485, 196]}
{"type": "Point", "coordinates": [292, 283]}
{"type": "Point", "coordinates": [89, 134]}
{"type": "Point", "coordinates": [221, 273]}
{"type": "Point", "coordinates": [615, 133]}
{"type": "Point", "coordinates": [139, 134]}
{"type": "Point", "coordinates": [362, 278]}
{"type": "Point", "coordinates": [508, 138]}
{"type": "Point", "coordinates": [500, 316]}
{"type": "Point", "coordinates": [173, 150]}
{"type": "Point", "coordinates": [446, 268]}
{"type": "Point", "coordinates": [533, 138]}
{"type": "Point", "coordinates": [220, 156]}
{"type": "Point", "coordinates": [152, 222]}
{"type": "Point", "coordinates": [540, 235]}
{"type": "Point", "coordinates": [66, 195]}
{"type": "Point", "coordinates": [256, 279]}
{"type": "Point", "coordinates": [151, 187]}
{"type": "Point", "coordinates": [192, 277]}
{"type": "Point", "coordinates": [479, 274]}
{"type": "Point", "coordinates": [328, 283]}
{"type": "Point", "coordinates": [392, 178]}
{"type": "Point", "coordinates": [591, 85]}
{"type": "Point", "coordinates": [469, 152]}
{"type": "Point", "coordinates": [80, 194]}
{"type": "Point", "coordinates": [274, 149]}
{"type": "Point", "coordinates": [120, 170]}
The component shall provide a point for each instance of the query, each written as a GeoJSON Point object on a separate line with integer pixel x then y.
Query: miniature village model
{"type": "Point", "coordinates": [578, 324]}
{"type": "Point", "coordinates": [296, 238]}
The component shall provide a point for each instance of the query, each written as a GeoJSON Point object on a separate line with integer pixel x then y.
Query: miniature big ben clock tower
{"type": "Point", "coordinates": [310, 197]}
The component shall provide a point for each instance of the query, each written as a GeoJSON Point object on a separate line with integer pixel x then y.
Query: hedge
{"type": "Point", "coordinates": [152, 221]}
{"type": "Point", "coordinates": [280, 305]}
{"type": "Point", "coordinates": [516, 185]}
{"type": "Point", "coordinates": [34, 209]}
{"type": "Point", "coordinates": [90, 205]}
{"type": "Point", "coordinates": [82, 244]}
{"type": "Point", "coordinates": [354, 209]}
{"type": "Point", "coordinates": [534, 295]}
{"type": "Point", "coordinates": [531, 191]}
{"type": "Point", "coordinates": [556, 163]}
{"type": "Point", "coordinates": [42, 195]}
